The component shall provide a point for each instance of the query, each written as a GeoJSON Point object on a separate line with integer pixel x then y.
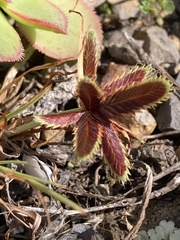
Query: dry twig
{"type": "Point", "coordinates": [145, 201]}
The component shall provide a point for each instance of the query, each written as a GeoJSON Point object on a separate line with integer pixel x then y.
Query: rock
{"type": "Point", "coordinates": [159, 154]}
{"type": "Point", "coordinates": [176, 41]}
{"type": "Point", "coordinates": [178, 152]}
{"type": "Point", "coordinates": [104, 189]}
{"type": "Point", "coordinates": [53, 135]}
{"type": "Point", "coordinates": [94, 3]}
{"type": "Point", "coordinates": [126, 9]}
{"type": "Point", "coordinates": [64, 177]}
{"type": "Point", "coordinates": [63, 91]}
{"type": "Point", "coordinates": [114, 71]}
{"type": "Point", "coordinates": [168, 116]}
{"type": "Point", "coordinates": [176, 28]}
{"type": "Point", "coordinates": [119, 47]}
{"type": "Point", "coordinates": [143, 123]}
{"type": "Point", "coordinates": [160, 47]}
{"type": "Point", "coordinates": [82, 231]}
{"type": "Point", "coordinates": [177, 5]}
{"type": "Point", "coordinates": [114, 1]}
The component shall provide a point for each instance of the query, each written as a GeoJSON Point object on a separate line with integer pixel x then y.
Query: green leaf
{"type": "Point", "coordinates": [142, 235]}
{"type": "Point", "coordinates": [11, 48]}
{"type": "Point", "coordinates": [62, 46]}
{"type": "Point", "coordinates": [38, 14]}
{"type": "Point", "coordinates": [56, 196]}
{"type": "Point", "coordinates": [88, 134]}
{"type": "Point", "coordinates": [168, 227]}
{"type": "Point", "coordinates": [157, 233]}
{"type": "Point", "coordinates": [38, 183]}
{"type": "Point", "coordinates": [167, 6]}
{"type": "Point", "coordinates": [160, 21]}
{"type": "Point", "coordinates": [175, 235]}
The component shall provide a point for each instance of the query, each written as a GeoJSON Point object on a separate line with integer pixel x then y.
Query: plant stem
{"type": "Point", "coordinates": [38, 183]}
{"type": "Point", "coordinates": [18, 175]}
{"type": "Point", "coordinates": [28, 104]}
{"type": "Point", "coordinates": [56, 195]}
{"type": "Point", "coordinates": [23, 128]}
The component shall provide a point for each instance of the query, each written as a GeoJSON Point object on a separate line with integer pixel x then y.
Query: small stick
{"type": "Point", "coordinates": [161, 135]}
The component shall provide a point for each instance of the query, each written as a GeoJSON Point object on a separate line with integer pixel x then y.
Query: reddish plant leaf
{"type": "Point", "coordinates": [135, 76]}
{"type": "Point", "coordinates": [89, 93]}
{"type": "Point", "coordinates": [114, 153]}
{"type": "Point", "coordinates": [123, 129]}
{"type": "Point", "coordinates": [88, 134]}
{"type": "Point", "coordinates": [113, 71]}
{"type": "Point", "coordinates": [62, 119]}
{"type": "Point", "coordinates": [144, 95]}
{"type": "Point", "coordinates": [102, 120]}
{"type": "Point", "coordinates": [90, 58]}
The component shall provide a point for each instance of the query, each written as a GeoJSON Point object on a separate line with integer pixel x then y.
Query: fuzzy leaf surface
{"type": "Point", "coordinates": [90, 58]}
{"type": "Point", "coordinates": [135, 76]}
{"type": "Point", "coordinates": [114, 153]}
{"type": "Point", "coordinates": [37, 14]}
{"type": "Point", "coordinates": [62, 119]}
{"type": "Point", "coordinates": [60, 46]}
{"type": "Point", "coordinates": [103, 123]}
{"type": "Point", "coordinates": [144, 95]}
{"type": "Point", "coordinates": [89, 93]}
{"type": "Point", "coordinates": [88, 134]}
{"type": "Point", "coordinates": [11, 48]}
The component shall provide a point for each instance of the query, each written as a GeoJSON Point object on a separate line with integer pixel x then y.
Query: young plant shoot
{"type": "Point", "coordinates": [99, 120]}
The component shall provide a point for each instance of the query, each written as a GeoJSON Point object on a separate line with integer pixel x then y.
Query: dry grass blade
{"type": "Point", "coordinates": [2, 184]}
{"type": "Point", "coordinates": [42, 143]}
{"type": "Point", "coordinates": [9, 79]}
{"type": "Point", "coordinates": [6, 146]}
{"type": "Point", "coordinates": [162, 135]}
{"type": "Point", "coordinates": [145, 201]}
{"type": "Point", "coordinates": [30, 219]}
{"type": "Point", "coordinates": [8, 85]}
{"type": "Point", "coordinates": [171, 185]}
{"type": "Point", "coordinates": [172, 169]}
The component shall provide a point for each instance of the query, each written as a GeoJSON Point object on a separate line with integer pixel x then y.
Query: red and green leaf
{"type": "Point", "coordinates": [114, 153]}
{"type": "Point", "coordinates": [134, 77]}
{"type": "Point", "coordinates": [64, 46]}
{"type": "Point", "coordinates": [11, 48]}
{"type": "Point", "coordinates": [88, 135]}
{"type": "Point", "coordinates": [38, 14]}
{"type": "Point", "coordinates": [100, 120]}
{"type": "Point", "coordinates": [62, 119]}
{"type": "Point", "coordinates": [144, 95]}
{"type": "Point", "coordinates": [89, 93]}
{"type": "Point", "coordinates": [90, 56]}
